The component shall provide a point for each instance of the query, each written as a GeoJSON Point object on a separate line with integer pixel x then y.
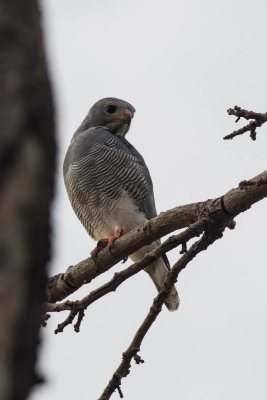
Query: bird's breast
{"type": "Point", "coordinates": [121, 213]}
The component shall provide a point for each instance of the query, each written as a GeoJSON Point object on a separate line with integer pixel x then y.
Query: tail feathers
{"type": "Point", "coordinates": [158, 272]}
{"type": "Point", "coordinates": [172, 302]}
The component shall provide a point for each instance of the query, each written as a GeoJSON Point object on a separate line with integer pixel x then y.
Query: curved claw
{"type": "Point", "coordinates": [118, 233]}
{"type": "Point", "coordinates": [101, 244]}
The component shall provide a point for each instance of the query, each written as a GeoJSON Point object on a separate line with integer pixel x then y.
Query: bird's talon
{"type": "Point", "coordinates": [101, 244]}
{"type": "Point", "coordinates": [124, 259]}
{"type": "Point", "coordinates": [94, 253]}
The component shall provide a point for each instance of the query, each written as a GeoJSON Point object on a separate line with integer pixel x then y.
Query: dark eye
{"type": "Point", "coordinates": [111, 108]}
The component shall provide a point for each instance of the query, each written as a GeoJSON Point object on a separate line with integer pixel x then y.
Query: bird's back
{"type": "Point", "coordinates": [108, 182]}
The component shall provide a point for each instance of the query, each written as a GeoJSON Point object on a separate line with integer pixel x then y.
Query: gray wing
{"type": "Point", "coordinates": [98, 166]}
{"type": "Point", "coordinates": [101, 165]}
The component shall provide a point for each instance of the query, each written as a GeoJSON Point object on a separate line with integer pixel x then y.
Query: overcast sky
{"type": "Point", "coordinates": [181, 64]}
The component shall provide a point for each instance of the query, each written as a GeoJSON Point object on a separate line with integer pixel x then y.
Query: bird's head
{"type": "Point", "coordinates": [111, 113]}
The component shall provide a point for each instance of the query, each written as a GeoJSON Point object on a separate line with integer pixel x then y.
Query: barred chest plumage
{"type": "Point", "coordinates": [107, 194]}
{"type": "Point", "coordinates": [100, 215]}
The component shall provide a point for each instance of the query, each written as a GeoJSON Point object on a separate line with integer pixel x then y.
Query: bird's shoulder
{"type": "Point", "coordinates": [94, 141]}
{"type": "Point", "coordinates": [97, 153]}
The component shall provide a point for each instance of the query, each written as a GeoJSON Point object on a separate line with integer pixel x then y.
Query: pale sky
{"type": "Point", "coordinates": [181, 64]}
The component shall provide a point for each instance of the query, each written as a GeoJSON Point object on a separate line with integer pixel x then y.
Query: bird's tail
{"type": "Point", "coordinates": [158, 271]}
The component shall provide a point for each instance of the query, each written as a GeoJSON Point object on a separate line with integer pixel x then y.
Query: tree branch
{"type": "Point", "coordinates": [77, 307]}
{"type": "Point", "coordinates": [211, 234]}
{"type": "Point", "coordinates": [258, 120]}
{"type": "Point", "coordinates": [221, 209]}
{"type": "Point", "coordinates": [214, 230]}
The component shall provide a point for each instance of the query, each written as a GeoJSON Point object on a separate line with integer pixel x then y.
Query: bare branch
{"type": "Point", "coordinates": [44, 319]}
{"type": "Point", "coordinates": [213, 233]}
{"type": "Point", "coordinates": [258, 120]}
{"type": "Point", "coordinates": [78, 307]}
{"type": "Point", "coordinates": [222, 209]}
{"type": "Point", "coordinates": [245, 184]}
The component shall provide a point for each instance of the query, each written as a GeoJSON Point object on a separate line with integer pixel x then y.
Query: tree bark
{"type": "Point", "coordinates": [223, 209]}
{"type": "Point", "coordinates": [27, 154]}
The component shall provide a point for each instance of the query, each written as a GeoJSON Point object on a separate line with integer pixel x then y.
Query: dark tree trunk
{"type": "Point", "coordinates": [27, 158]}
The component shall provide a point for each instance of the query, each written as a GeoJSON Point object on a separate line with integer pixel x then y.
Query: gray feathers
{"type": "Point", "coordinates": [107, 180]}
{"type": "Point", "coordinates": [99, 170]}
{"type": "Point", "coordinates": [99, 116]}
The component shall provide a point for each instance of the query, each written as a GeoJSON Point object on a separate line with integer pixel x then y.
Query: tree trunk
{"type": "Point", "coordinates": [27, 157]}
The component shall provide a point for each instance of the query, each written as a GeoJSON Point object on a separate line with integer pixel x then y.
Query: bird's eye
{"type": "Point", "coordinates": [111, 108]}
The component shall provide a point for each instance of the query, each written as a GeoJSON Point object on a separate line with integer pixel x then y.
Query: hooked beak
{"type": "Point", "coordinates": [126, 117]}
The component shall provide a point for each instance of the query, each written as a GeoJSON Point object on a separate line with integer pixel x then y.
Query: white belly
{"type": "Point", "coordinates": [121, 214]}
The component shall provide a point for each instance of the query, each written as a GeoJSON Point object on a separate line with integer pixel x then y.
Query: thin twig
{"type": "Point", "coordinates": [212, 234]}
{"type": "Point", "coordinates": [78, 307]}
{"type": "Point", "coordinates": [258, 120]}
{"type": "Point", "coordinates": [79, 321]}
{"type": "Point", "coordinates": [44, 318]}
{"type": "Point", "coordinates": [69, 319]}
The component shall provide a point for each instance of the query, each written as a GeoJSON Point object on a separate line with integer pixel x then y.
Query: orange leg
{"type": "Point", "coordinates": [101, 244]}
{"type": "Point", "coordinates": [118, 233]}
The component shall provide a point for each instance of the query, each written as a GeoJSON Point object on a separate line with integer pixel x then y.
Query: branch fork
{"type": "Point", "coordinates": [257, 120]}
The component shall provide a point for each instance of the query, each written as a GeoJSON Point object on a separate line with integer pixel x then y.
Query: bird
{"type": "Point", "coordinates": [109, 185]}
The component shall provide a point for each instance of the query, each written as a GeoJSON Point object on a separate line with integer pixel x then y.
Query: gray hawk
{"type": "Point", "coordinates": [109, 185]}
